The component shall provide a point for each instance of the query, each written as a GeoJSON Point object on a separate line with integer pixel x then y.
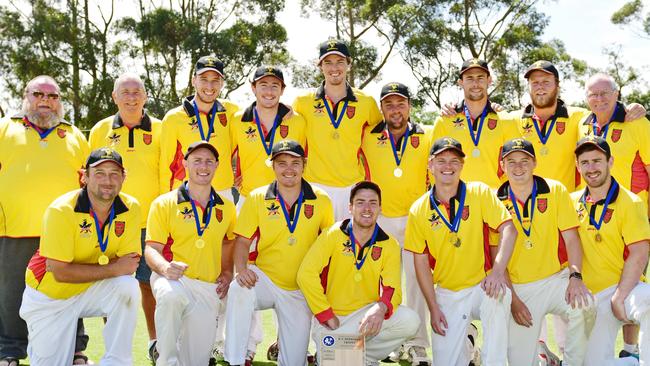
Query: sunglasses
{"type": "Point", "coordinates": [41, 95]}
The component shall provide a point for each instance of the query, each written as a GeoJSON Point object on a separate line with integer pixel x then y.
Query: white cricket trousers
{"type": "Point", "coordinates": [340, 197]}
{"type": "Point", "coordinates": [396, 226]}
{"type": "Point", "coordinates": [460, 308]}
{"type": "Point", "coordinates": [600, 347]}
{"type": "Point", "coordinates": [294, 319]}
{"type": "Point", "coordinates": [186, 320]}
{"type": "Point", "coordinates": [52, 323]}
{"type": "Point", "coordinates": [547, 296]}
{"type": "Point", "coordinates": [401, 326]}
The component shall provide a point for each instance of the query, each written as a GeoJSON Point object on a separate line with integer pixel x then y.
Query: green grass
{"type": "Point", "coordinates": [95, 349]}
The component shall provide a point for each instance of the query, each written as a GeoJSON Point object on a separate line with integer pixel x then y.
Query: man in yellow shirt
{"type": "Point", "coordinates": [283, 238]}
{"type": "Point", "coordinates": [336, 115]}
{"type": "Point", "coordinates": [189, 249]}
{"type": "Point", "coordinates": [351, 279]}
{"type": "Point", "coordinates": [135, 134]}
{"type": "Point", "coordinates": [40, 156]}
{"type": "Point", "coordinates": [477, 126]}
{"type": "Point", "coordinates": [84, 267]}
{"type": "Point", "coordinates": [447, 230]}
{"type": "Point", "coordinates": [200, 117]}
{"type": "Point", "coordinates": [395, 153]}
{"type": "Point", "coordinates": [547, 259]}
{"type": "Point", "coordinates": [615, 236]}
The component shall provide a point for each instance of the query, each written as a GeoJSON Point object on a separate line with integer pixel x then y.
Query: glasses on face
{"type": "Point", "coordinates": [41, 95]}
{"type": "Point", "coordinates": [601, 94]}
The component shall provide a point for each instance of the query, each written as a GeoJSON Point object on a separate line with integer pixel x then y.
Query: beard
{"type": "Point", "coordinates": [545, 101]}
{"type": "Point", "coordinates": [42, 119]}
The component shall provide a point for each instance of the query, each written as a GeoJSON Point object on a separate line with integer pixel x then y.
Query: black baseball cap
{"type": "Point", "coordinates": [542, 65]}
{"type": "Point", "coordinates": [394, 89]}
{"type": "Point", "coordinates": [335, 47]}
{"type": "Point", "coordinates": [473, 63]}
{"type": "Point", "coordinates": [290, 147]}
{"type": "Point", "coordinates": [202, 144]}
{"type": "Point", "coordinates": [517, 144]}
{"type": "Point", "coordinates": [264, 71]}
{"type": "Point", "coordinates": [207, 63]}
{"type": "Point", "coordinates": [588, 142]}
{"type": "Point", "coordinates": [103, 155]}
{"type": "Point", "coordinates": [447, 143]}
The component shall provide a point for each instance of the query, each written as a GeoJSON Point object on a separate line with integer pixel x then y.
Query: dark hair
{"type": "Point", "coordinates": [366, 184]}
{"type": "Point", "coordinates": [591, 147]}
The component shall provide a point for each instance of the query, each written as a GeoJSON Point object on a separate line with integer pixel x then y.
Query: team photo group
{"type": "Point", "coordinates": [446, 243]}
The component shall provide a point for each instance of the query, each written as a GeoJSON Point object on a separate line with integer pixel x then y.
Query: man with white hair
{"type": "Point", "coordinates": [136, 136]}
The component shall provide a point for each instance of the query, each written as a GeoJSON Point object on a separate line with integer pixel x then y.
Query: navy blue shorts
{"type": "Point", "coordinates": [143, 272]}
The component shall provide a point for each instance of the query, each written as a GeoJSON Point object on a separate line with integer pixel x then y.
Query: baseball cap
{"type": "Point", "coordinates": [591, 140]}
{"type": "Point", "coordinates": [542, 65]}
{"type": "Point", "coordinates": [473, 63]}
{"type": "Point", "coordinates": [517, 144]}
{"type": "Point", "coordinates": [102, 155]}
{"type": "Point", "coordinates": [207, 63]}
{"type": "Point", "coordinates": [333, 46]}
{"type": "Point", "coordinates": [446, 143]}
{"type": "Point", "coordinates": [264, 71]}
{"type": "Point", "coordinates": [201, 144]}
{"type": "Point", "coordinates": [290, 147]}
{"type": "Point", "coordinates": [394, 89]}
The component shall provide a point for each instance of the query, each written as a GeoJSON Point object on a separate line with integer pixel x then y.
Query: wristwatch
{"type": "Point", "coordinates": [577, 275]}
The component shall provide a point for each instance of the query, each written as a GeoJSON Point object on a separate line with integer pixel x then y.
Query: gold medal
{"type": "Point", "coordinates": [43, 143]}
{"type": "Point", "coordinates": [357, 277]}
{"type": "Point", "coordinates": [292, 240]}
{"type": "Point", "coordinates": [200, 243]}
{"type": "Point", "coordinates": [397, 172]}
{"type": "Point", "coordinates": [335, 135]}
{"type": "Point", "coordinates": [268, 162]}
{"type": "Point", "coordinates": [598, 238]}
{"type": "Point", "coordinates": [528, 244]}
{"type": "Point", "coordinates": [454, 240]}
{"type": "Point", "coordinates": [476, 152]}
{"type": "Point", "coordinates": [103, 260]}
{"type": "Point", "coordinates": [544, 150]}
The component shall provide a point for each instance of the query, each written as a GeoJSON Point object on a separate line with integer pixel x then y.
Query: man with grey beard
{"type": "Point", "coordinates": [40, 157]}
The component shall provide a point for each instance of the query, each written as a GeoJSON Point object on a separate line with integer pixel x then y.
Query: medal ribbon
{"type": "Point", "coordinates": [335, 121]}
{"type": "Point", "coordinates": [475, 137]}
{"type": "Point", "coordinates": [103, 244]}
{"type": "Point", "coordinates": [533, 199]}
{"type": "Point", "coordinates": [38, 130]}
{"type": "Point", "coordinates": [610, 194]}
{"type": "Point", "coordinates": [291, 222]}
{"type": "Point", "coordinates": [603, 131]}
{"type": "Point", "coordinates": [393, 145]}
{"type": "Point", "coordinates": [453, 227]}
{"type": "Point", "coordinates": [543, 137]}
{"type": "Point", "coordinates": [197, 114]}
{"type": "Point", "coordinates": [199, 229]}
{"type": "Point", "coordinates": [358, 264]}
{"type": "Point", "coordinates": [258, 123]}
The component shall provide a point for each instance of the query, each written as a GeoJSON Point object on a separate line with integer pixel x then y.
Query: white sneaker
{"type": "Point", "coordinates": [545, 356]}
{"type": "Point", "coordinates": [417, 355]}
{"type": "Point", "coordinates": [473, 349]}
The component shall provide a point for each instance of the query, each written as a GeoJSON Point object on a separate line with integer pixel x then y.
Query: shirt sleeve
{"type": "Point", "coordinates": [158, 222]}
{"type": "Point", "coordinates": [644, 141]}
{"type": "Point", "coordinates": [414, 238]}
{"type": "Point", "coordinates": [567, 216]}
{"type": "Point", "coordinates": [131, 243]}
{"type": "Point", "coordinates": [230, 232]}
{"type": "Point", "coordinates": [59, 243]}
{"type": "Point", "coordinates": [328, 214]}
{"type": "Point", "coordinates": [248, 222]}
{"type": "Point", "coordinates": [635, 226]}
{"type": "Point", "coordinates": [493, 210]}
{"type": "Point", "coordinates": [169, 147]}
{"type": "Point", "coordinates": [391, 279]}
{"type": "Point", "coordinates": [375, 114]}
{"type": "Point", "coordinates": [309, 280]}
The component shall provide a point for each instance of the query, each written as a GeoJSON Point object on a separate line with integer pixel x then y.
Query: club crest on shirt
{"type": "Point", "coordinates": [187, 214]}
{"type": "Point", "coordinates": [119, 228]}
{"type": "Point", "coordinates": [382, 139]}
{"type": "Point", "coordinates": [273, 210]}
{"type": "Point", "coordinates": [85, 228]}
{"type": "Point", "coordinates": [542, 204]}
{"type": "Point", "coordinates": [284, 131]}
{"type": "Point", "coordinates": [347, 248]}
{"type": "Point", "coordinates": [60, 132]}
{"type": "Point", "coordinates": [560, 127]}
{"type": "Point", "coordinates": [510, 208]}
{"type": "Point", "coordinates": [465, 214]}
{"type": "Point", "coordinates": [492, 123]}
{"type": "Point", "coordinates": [146, 138]}
{"type": "Point", "coordinates": [194, 125]}
{"type": "Point", "coordinates": [250, 133]}
{"type": "Point", "coordinates": [218, 214]}
{"type": "Point", "coordinates": [376, 253]}
{"type": "Point", "coordinates": [459, 122]}
{"type": "Point", "coordinates": [309, 211]}
{"type": "Point", "coordinates": [223, 119]}
{"type": "Point", "coordinates": [319, 108]}
{"type": "Point", "coordinates": [349, 111]}
{"type": "Point", "coordinates": [528, 128]}
{"type": "Point", "coordinates": [415, 141]}
{"type": "Point", "coordinates": [114, 139]}
{"type": "Point", "coordinates": [616, 135]}
{"type": "Point", "coordinates": [435, 221]}
{"type": "Point", "coordinates": [608, 215]}
{"type": "Point", "coordinates": [581, 212]}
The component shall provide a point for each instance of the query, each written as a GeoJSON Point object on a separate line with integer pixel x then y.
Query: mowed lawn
{"type": "Point", "coordinates": [96, 345]}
